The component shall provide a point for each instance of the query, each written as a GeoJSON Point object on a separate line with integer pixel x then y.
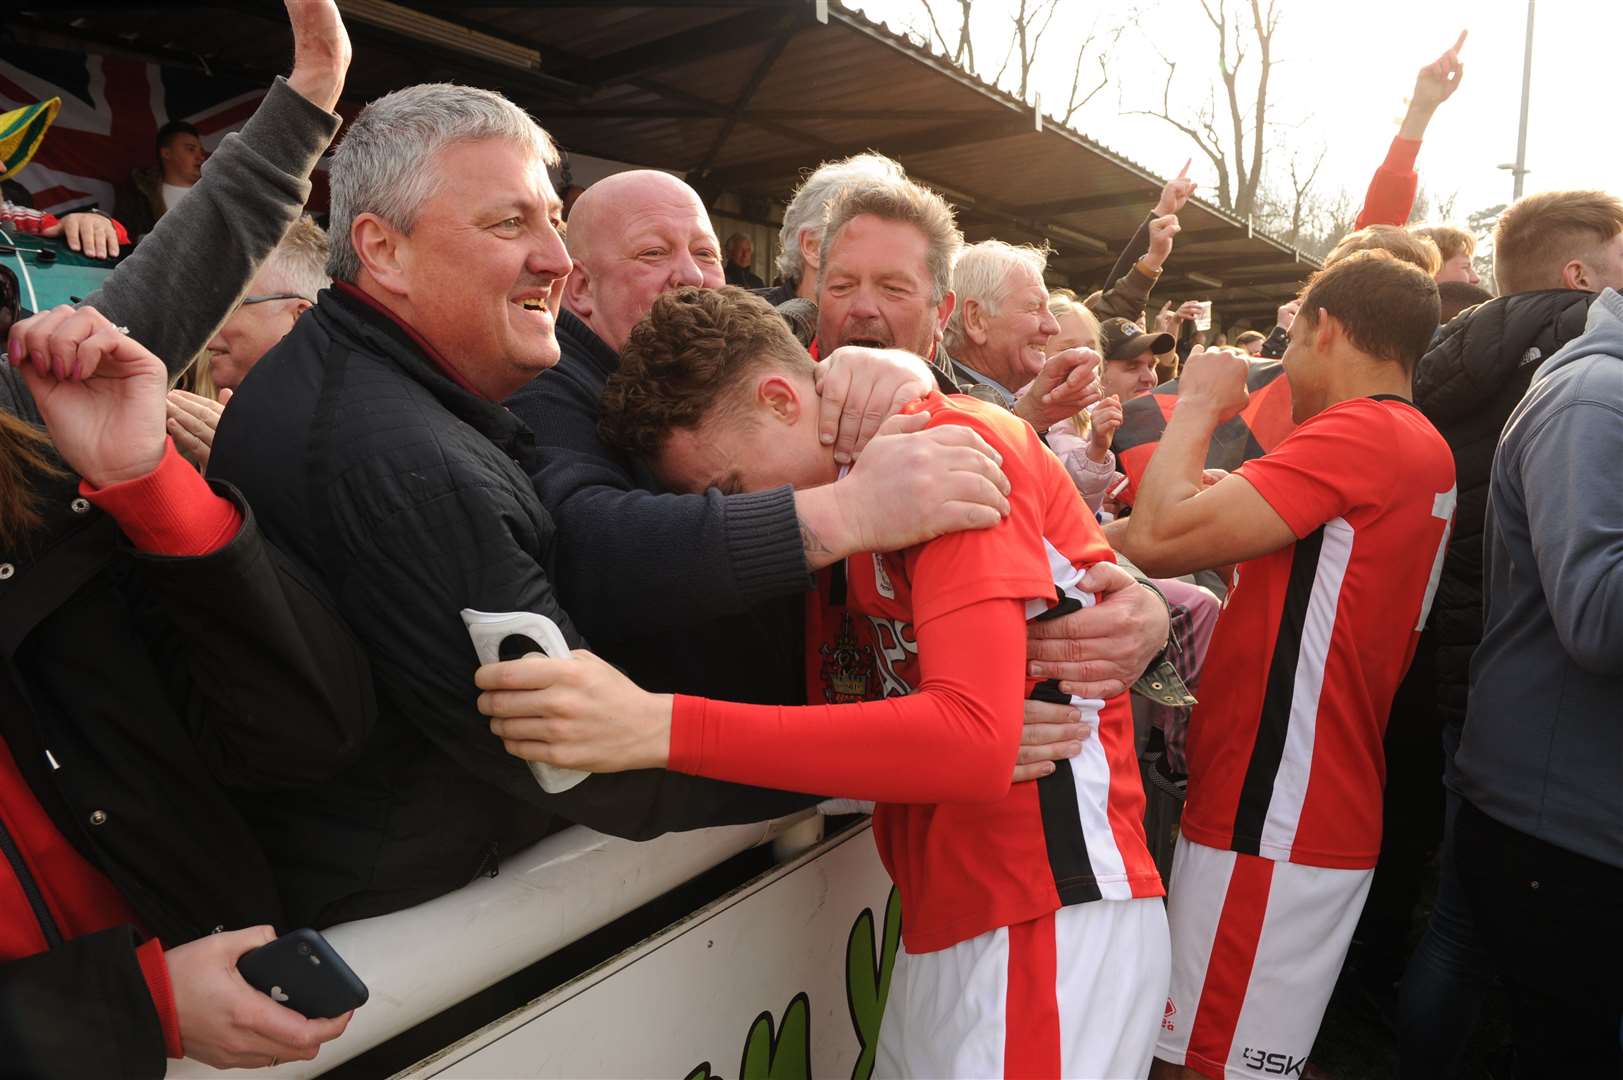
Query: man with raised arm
{"type": "Point", "coordinates": [1337, 536]}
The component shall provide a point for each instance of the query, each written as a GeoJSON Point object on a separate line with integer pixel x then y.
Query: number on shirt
{"type": "Point", "coordinates": [1442, 506]}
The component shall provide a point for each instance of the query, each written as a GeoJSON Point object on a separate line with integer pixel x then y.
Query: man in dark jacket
{"type": "Point", "coordinates": [372, 443]}
{"type": "Point", "coordinates": [1553, 252]}
{"type": "Point", "coordinates": [1538, 841]}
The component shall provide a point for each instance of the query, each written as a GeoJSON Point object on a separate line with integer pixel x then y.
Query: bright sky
{"type": "Point", "coordinates": [1343, 77]}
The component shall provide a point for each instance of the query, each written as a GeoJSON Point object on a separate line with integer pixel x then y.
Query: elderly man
{"type": "Point", "coordinates": [740, 256]}
{"type": "Point", "coordinates": [800, 240]}
{"type": "Point", "coordinates": [373, 446]}
{"type": "Point", "coordinates": [996, 339]}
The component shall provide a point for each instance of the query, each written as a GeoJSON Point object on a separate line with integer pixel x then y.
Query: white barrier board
{"type": "Point", "coordinates": [784, 977]}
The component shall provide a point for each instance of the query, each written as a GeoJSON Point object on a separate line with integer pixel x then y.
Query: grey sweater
{"type": "Point", "coordinates": [1543, 744]}
{"type": "Point", "coordinates": [186, 277]}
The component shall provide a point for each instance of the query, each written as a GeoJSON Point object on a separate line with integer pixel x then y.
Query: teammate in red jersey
{"type": "Point", "coordinates": [1338, 534]}
{"type": "Point", "coordinates": [1034, 942]}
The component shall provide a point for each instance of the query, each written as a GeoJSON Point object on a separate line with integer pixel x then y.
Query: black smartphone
{"type": "Point", "coordinates": [303, 971]}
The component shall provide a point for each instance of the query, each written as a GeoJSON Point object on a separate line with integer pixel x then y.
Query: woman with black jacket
{"type": "Point", "coordinates": [154, 650]}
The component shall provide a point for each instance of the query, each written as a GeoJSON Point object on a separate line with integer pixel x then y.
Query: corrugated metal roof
{"type": "Point", "coordinates": [744, 96]}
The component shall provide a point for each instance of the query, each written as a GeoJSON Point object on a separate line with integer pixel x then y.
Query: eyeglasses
{"type": "Point", "coordinates": [275, 296]}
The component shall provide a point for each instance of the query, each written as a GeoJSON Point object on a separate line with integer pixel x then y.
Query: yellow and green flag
{"type": "Point", "coordinates": [21, 132]}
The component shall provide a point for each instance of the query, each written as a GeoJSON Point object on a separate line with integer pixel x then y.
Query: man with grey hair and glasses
{"type": "Point", "coordinates": [373, 446]}
{"type": "Point", "coordinates": [285, 288]}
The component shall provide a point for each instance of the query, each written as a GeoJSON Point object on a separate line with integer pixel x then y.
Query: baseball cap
{"type": "Point", "coordinates": [1123, 340]}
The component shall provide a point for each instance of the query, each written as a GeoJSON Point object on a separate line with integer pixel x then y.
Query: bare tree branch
{"type": "Point", "coordinates": [935, 28]}
{"type": "Point", "coordinates": [1212, 148]}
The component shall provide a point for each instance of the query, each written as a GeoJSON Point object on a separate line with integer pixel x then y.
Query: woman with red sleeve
{"type": "Point", "coordinates": [1033, 940]}
{"type": "Point", "coordinates": [140, 614]}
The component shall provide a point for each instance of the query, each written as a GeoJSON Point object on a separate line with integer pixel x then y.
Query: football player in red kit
{"type": "Point", "coordinates": [1034, 939]}
{"type": "Point", "coordinates": [1338, 534]}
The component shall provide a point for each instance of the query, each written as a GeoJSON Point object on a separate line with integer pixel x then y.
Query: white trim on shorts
{"type": "Point", "coordinates": [1224, 1020]}
{"type": "Point", "coordinates": [947, 1014]}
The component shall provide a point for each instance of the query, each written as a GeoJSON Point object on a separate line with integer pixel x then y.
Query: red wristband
{"type": "Point", "coordinates": [170, 510]}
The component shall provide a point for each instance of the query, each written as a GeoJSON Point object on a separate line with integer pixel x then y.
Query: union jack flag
{"type": "Point", "coordinates": [111, 111]}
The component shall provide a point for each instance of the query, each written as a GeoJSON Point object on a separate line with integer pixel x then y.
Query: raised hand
{"type": "Point", "coordinates": [1162, 230]}
{"type": "Point", "coordinates": [1067, 383]}
{"type": "Point", "coordinates": [321, 51]}
{"type": "Point", "coordinates": [1287, 313]}
{"type": "Point", "coordinates": [1176, 192]}
{"type": "Point", "coordinates": [1439, 79]}
{"type": "Point", "coordinates": [1106, 417]}
{"type": "Point", "coordinates": [1214, 379]}
{"type": "Point", "coordinates": [99, 390]}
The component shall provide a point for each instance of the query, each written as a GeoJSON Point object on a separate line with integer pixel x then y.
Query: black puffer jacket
{"type": "Point", "coordinates": [413, 498]}
{"type": "Point", "coordinates": [1477, 370]}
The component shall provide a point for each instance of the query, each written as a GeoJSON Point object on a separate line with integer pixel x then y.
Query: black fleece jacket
{"type": "Point", "coordinates": [412, 497]}
{"type": "Point", "coordinates": [1467, 385]}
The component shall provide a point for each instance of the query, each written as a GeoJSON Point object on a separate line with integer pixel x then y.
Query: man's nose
{"type": "Point", "coordinates": [1049, 326]}
{"type": "Point", "coordinates": [548, 257]}
{"type": "Point", "coordinates": [864, 304]}
{"type": "Point", "coordinates": [685, 270]}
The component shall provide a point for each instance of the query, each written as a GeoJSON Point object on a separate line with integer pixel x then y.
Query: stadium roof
{"type": "Point", "coordinates": [742, 96]}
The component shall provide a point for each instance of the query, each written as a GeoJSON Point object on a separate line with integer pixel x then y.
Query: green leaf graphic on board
{"type": "Point", "coordinates": [785, 1055]}
{"type": "Point", "coordinates": [701, 1071]}
{"type": "Point", "coordinates": [867, 979]}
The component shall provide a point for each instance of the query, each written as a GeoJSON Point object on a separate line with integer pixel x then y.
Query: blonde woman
{"type": "Point", "coordinates": [1082, 442]}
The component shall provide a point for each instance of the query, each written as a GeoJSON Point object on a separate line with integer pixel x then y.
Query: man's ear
{"type": "Point", "coordinates": [1326, 331]}
{"type": "Point", "coordinates": [811, 252]}
{"type": "Point", "coordinates": [943, 311]}
{"type": "Point", "coordinates": [975, 321]}
{"type": "Point", "coordinates": [382, 249]}
{"type": "Point", "coordinates": [1575, 275]}
{"type": "Point", "coordinates": [578, 291]}
{"type": "Point", "coordinates": [781, 398]}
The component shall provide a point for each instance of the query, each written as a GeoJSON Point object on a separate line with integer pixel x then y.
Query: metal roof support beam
{"type": "Point", "coordinates": [1084, 204]}
{"type": "Point", "coordinates": [762, 69]}
{"type": "Point", "coordinates": [939, 138]}
{"type": "Point", "coordinates": [727, 35]}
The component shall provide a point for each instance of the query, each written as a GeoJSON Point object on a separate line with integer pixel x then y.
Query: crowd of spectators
{"type": "Point", "coordinates": [1409, 610]}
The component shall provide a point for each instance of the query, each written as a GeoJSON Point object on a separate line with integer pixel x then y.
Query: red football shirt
{"type": "Point", "coordinates": [1074, 836]}
{"type": "Point", "coordinates": [1285, 748]}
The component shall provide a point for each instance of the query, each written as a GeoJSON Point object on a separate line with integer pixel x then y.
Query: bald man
{"type": "Point", "coordinates": [703, 593]}
{"type": "Point", "coordinates": [632, 236]}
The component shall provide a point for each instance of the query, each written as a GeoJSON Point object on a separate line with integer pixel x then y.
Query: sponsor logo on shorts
{"type": "Point", "coordinates": [1273, 1064]}
{"type": "Point", "coordinates": [1166, 1017]}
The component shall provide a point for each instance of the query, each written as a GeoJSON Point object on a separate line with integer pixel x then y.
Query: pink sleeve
{"type": "Point", "coordinates": [1390, 197]}
{"type": "Point", "coordinates": [954, 739]}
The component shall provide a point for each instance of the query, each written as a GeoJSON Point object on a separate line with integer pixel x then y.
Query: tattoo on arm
{"type": "Point", "coordinates": [810, 541]}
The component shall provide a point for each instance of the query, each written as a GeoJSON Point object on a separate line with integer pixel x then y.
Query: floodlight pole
{"type": "Point", "coordinates": [1520, 169]}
